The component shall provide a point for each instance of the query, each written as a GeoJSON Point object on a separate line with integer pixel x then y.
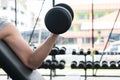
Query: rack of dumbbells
{"type": "Point", "coordinates": [53, 63]}
{"type": "Point", "coordinates": [94, 64]}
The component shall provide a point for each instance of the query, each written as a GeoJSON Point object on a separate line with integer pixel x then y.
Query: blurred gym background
{"type": "Point", "coordinates": [89, 50]}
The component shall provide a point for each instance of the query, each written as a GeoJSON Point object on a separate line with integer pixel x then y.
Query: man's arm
{"type": "Point", "coordinates": [31, 59]}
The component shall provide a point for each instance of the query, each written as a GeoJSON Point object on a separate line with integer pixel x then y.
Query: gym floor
{"type": "Point", "coordinates": [73, 78]}
{"type": "Point", "coordinates": [69, 74]}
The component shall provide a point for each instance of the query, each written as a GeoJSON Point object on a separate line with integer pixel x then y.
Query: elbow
{"type": "Point", "coordinates": [32, 67]}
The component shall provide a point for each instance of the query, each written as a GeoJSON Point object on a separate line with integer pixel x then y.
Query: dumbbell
{"type": "Point", "coordinates": [113, 64]}
{"type": "Point", "coordinates": [96, 52]}
{"type": "Point", "coordinates": [74, 52]}
{"type": "Point", "coordinates": [74, 64]}
{"type": "Point", "coordinates": [104, 64]}
{"type": "Point", "coordinates": [62, 50]}
{"type": "Point", "coordinates": [88, 51]}
{"type": "Point", "coordinates": [54, 64]}
{"type": "Point", "coordinates": [58, 19]}
{"type": "Point", "coordinates": [61, 65]}
{"type": "Point", "coordinates": [118, 64]}
{"type": "Point", "coordinates": [81, 64]}
{"type": "Point", "coordinates": [81, 52]}
{"type": "Point", "coordinates": [47, 64]}
{"type": "Point", "coordinates": [89, 64]}
{"type": "Point", "coordinates": [97, 64]}
{"type": "Point", "coordinates": [54, 51]}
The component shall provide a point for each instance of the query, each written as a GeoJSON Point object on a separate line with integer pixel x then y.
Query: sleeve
{"type": "Point", "coordinates": [3, 23]}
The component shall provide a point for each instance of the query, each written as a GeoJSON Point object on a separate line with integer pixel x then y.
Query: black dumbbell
{"type": "Point", "coordinates": [62, 50]}
{"type": "Point", "coordinates": [88, 51]}
{"type": "Point", "coordinates": [54, 64]}
{"type": "Point", "coordinates": [81, 64]}
{"type": "Point", "coordinates": [66, 7]}
{"type": "Point", "coordinates": [81, 52]}
{"type": "Point", "coordinates": [89, 64]}
{"type": "Point", "coordinates": [58, 19]}
{"type": "Point", "coordinates": [118, 64]}
{"type": "Point", "coordinates": [113, 64]}
{"type": "Point", "coordinates": [105, 64]}
{"type": "Point", "coordinates": [47, 64]}
{"type": "Point", "coordinates": [61, 65]}
{"type": "Point", "coordinates": [97, 64]}
{"type": "Point", "coordinates": [54, 51]}
{"type": "Point", "coordinates": [74, 64]}
{"type": "Point", "coordinates": [96, 52]}
{"type": "Point", "coordinates": [74, 52]}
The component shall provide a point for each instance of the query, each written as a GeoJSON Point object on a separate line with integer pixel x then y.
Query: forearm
{"type": "Point", "coordinates": [43, 50]}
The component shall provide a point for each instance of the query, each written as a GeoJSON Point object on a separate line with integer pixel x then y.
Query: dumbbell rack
{"type": "Point", "coordinates": [53, 64]}
{"type": "Point", "coordinates": [52, 70]}
{"type": "Point", "coordinates": [113, 64]}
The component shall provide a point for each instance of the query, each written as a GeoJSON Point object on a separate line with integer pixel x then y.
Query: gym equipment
{"type": "Point", "coordinates": [74, 52]}
{"type": "Point", "coordinates": [81, 64]}
{"type": "Point", "coordinates": [13, 66]}
{"type": "Point", "coordinates": [113, 64]}
{"type": "Point", "coordinates": [54, 64]}
{"type": "Point", "coordinates": [47, 64]}
{"type": "Point", "coordinates": [118, 64]}
{"type": "Point", "coordinates": [104, 64]}
{"type": "Point", "coordinates": [88, 51]}
{"type": "Point", "coordinates": [89, 64]}
{"type": "Point", "coordinates": [74, 64]}
{"type": "Point", "coordinates": [97, 64]}
{"type": "Point", "coordinates": [58, 19]}
{"type": "Point", "coordinates": [61, 65]}
{"type": "Point", "coordinates": [97, 52]}
{"type": "Point", "coordinates": [81, 52]}
{"type": "Point", "coordinates": [66, 7]}
{"type": "Point", "coordinates": [54, 51]}
{"type": "Point", "coordinates": [62, 50]}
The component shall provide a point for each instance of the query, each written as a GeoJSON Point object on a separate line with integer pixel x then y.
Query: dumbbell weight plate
{"type": "Point", "coordinates": [67, 7]}
{"type": "Point", "coordinates": [58, 20]}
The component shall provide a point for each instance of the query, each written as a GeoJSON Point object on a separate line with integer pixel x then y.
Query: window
{"type": "Point", "coordinates": [82, 15]}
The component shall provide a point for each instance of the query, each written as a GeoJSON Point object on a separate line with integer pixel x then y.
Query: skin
{"type": "Point", "coordinates": [32, 59]}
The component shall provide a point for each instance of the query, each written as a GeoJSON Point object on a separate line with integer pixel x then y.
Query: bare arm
{"type": "Point", "coordinates": [43, 50]}
{"type": "Point", "coordinates": [31, 59]}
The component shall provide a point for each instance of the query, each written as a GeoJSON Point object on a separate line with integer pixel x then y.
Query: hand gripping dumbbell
{"type": "Point", "coordinates": [58, 19]}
